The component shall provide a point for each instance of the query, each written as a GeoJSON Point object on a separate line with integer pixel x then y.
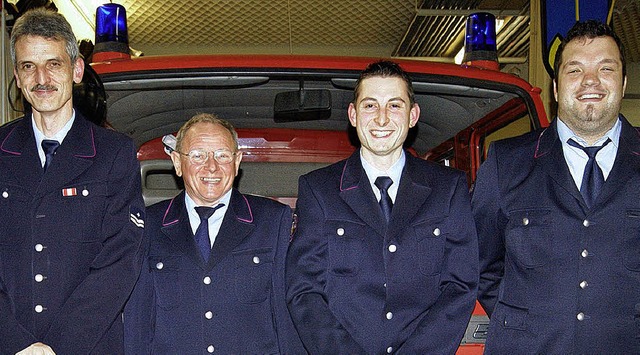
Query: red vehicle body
{"type": "Point", "coordinates": [463, 110]}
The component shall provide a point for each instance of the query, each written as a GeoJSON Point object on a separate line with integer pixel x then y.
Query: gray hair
{"type": "Point", "coordinates": [47, 24]}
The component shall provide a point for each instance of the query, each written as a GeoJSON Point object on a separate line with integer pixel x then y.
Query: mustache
{"type": "Point", "coordinates": [39, 87]}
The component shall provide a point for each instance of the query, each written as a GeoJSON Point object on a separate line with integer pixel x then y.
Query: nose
{"type": "Point", "coordinates": [211, 163]}
{"type": "Point", "coordinates": [382, 119]}
{"type": "Point", "coordinates": [42, 76]}
{"type": "Point", "coordinates": [590, 78]}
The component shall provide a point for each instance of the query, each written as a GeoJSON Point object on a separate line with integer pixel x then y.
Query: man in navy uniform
{"type": "Point", "coordinates": [384, 258]}
{"type": "Point", "coordinates": [213, 277]}
{"type": "Point", "coordinates": [558, 215]}
{"type": "Point", "coordinates": [71, 209]}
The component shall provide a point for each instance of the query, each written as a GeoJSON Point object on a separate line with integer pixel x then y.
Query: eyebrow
{"type": "Point", "coordinates": [398, 98]}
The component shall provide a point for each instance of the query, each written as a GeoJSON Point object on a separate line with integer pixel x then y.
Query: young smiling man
{"type": "Point", "coordinates": [382, 269]}
{"type": "Point", "coordinates": [559, 231]}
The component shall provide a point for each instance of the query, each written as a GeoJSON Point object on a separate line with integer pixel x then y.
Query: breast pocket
{"type": "Point", "coordinates": [346, 248]}
{"type": "Point", "coordinates": [166, 280]}
{"type": "Point", "coordinates": [528, 238]}
{"type": "Point", "coordinates": [631, 253]}
{"type": "Point", "coordinates": [83, 205]}
{"type": "Point", "coordinates": [253, 270]}
{"type": "Point", "coordinates": [430, 239]}
{"type": "Point", "coordinates": [14, 207]}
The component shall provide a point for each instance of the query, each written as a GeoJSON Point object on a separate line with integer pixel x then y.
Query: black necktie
{"type": "Point", "coordinates": [593, 178]}
{"type": "Point", "coordinates": [383, 183]}
{"type": "Point", "coordinates": [202, 233]}
{"type": "Point", "coordinates": [49, 146]}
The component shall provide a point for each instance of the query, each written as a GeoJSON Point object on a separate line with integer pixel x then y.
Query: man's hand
{"type": "Point", "coordinates": [37, 349]}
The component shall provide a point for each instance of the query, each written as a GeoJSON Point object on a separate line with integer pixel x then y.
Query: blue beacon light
{"type": "Point", "coordinates": [112, 39]}
{"type": "Point", "coordinates": [480, 41]}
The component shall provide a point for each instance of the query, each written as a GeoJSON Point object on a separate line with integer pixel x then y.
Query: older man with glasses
{"type": "Point", "coordinates": [213, 277]}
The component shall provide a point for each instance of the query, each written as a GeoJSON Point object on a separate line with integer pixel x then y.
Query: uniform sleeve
{"type": "Point", "coordinates": [306, 274]}
{"type": "Point", "coordinates": [442, 328]}
{"type": "Point", "coordinates": [490, 225]}
{"type": "Point", "coordinates": [288, 339]}
{"type": "Point", "coordinates": [139, 312]}
{"type": "Point", "coordinates": [98, 301]}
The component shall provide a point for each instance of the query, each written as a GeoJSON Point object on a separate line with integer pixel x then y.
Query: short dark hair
{"type": "Point", "coordinates": [588, 30]}
{"type": "Point", "coordinates": [385, 69]}
{"type": "Point", "coordinates": [44, 23]}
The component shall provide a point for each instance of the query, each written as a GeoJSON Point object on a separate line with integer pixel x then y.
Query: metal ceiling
{"type": "Point", "coordinates": [399, 28]}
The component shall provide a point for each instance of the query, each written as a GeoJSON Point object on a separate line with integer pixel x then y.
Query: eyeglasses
{"type": "Point", "coordinates": [199, 157]}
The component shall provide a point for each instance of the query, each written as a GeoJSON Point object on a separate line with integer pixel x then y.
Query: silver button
{"type": "Point", "coordinates": [340, 231]}
{"type": "Point", "coordinates": [39, 309]}
{"type": "Point", "coordinates": [584, 253]}
{"type": "Point", "coordinates": [206, 280]}
{"type": "Point", "coordinates": [39, 247]}
{"type": "Point", "coordinates": [436, 232]}
{"type": "Point", "coordinates": [580, 316]}
{"type": "Point", "coordinates": [256, 260]}
{"type": "Point", "coordinates": [389, 350]}
{"type": "Point", "coordinates": [389, 315]}
{"type": "Point", "coordinates": [586, 223]}
{"type": "Point", "coordinates": [39, 278]}
{"type": "Point", "coordinates": [385, 284]}
{"type": "Point", "coordinates": [584, 284]}
{"type": "Point", "coordinates": [159, 265]}
{"type": "Point", "coordinates": [208, 314]}
{"type": "Point", "coordinates": [393, 248]}
{"type": "Point", "coordinates": [210, 348]}
{"type": "Point", "coordinates": [85, 192]}
{"type": "Point", "coordinates": [5, 194]}
{"type": "Point", "coordinates": [525, 221]}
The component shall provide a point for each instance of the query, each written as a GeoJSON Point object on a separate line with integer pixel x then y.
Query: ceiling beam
{"type": "Point", "coordinates": [461, 12]}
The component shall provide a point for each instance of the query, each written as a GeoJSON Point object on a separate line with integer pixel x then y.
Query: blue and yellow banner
{"type": "Point", "coordinates": [558, 16]}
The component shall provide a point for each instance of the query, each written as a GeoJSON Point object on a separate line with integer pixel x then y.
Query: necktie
{"type": "Point", "coordinates": [49, 146]}
{"type": "Point", "coordinates": [202, 233]}
{"type": "Point", "coordinates": [383, 183]}
{"type": "Point", "coordinates": [593, 178]}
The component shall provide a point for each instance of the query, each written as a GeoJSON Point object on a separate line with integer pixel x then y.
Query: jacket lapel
{"type": "Point", "coordinates": [356, 192]}
{"type": "Point", "coordinates": [19, 147]}
{"type": "Point", "coordinates": [626, 165]}
{"type": "Point", "coordinates": [236, 226]}
{"type": "Point", "coordinates": [74, 156]}
{"type": "Point", "coordinates": [412, 195]}
{"type": "Point", "coordinates": [549, 154]}
{"type": "Point", "coordinates": [176, 227]}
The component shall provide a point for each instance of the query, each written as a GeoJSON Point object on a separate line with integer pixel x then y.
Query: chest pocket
{"type": "Point", "coordinates": [253, 270]}
{"type": "Point", "coordinates": [83, 206]}
{"type": "Point", "coordinates": [166, 280]}
{"type": "Point", "coordinates": [631, 254]}
{"type": "Point", "coordinates": [430, 238]}
{"type": "Point", "coordinates": [346, 247]}
{"type": "Point", "coordinates": [528, 239]}
{"type": "Point", "coordinates": [14, 204]}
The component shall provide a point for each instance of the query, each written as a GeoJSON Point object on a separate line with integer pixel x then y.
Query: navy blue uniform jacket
{"type": "Point", "coordinates": [70, 239]}
{"type": "Point", "coordinates": [356, 286]}
{"type": "Point", "coordinates": [557, 277]}
{"type": "Point", "coordinates": [234, 304]}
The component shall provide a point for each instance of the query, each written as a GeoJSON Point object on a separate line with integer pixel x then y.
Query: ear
{"type": "Point", "coordinates": [238, 160]}
{"type": "Point", "coordinates": [414, 115]}
{"type": "Point", "coordinates": [15, 75]}
{"type": "Point", "coordinates": [351, 111]}
{"type": "Point", "coordinates": [175, 158]}
{"type": "Point", "coordinates": [78, 70]}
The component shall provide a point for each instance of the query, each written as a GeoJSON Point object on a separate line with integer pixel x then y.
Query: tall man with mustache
{"type": "Point", "coordinates": [71, 209]}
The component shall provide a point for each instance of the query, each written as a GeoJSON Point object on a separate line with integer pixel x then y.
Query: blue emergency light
{"type": "Point", "coordinates": [112, 39]}
{"type": "Point", "coordinates": [480, 41]}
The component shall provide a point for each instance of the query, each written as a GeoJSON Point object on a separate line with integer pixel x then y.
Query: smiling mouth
{"type": "Point", "coordinates": [210, 180]}
{"type": "Point", "coordinates": [381, 134]}
{"type": "Point", "coordinates": [590, 96]}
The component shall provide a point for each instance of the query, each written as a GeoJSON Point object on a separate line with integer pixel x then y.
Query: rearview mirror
{"type": "Point", "coordinates": [302, 105]}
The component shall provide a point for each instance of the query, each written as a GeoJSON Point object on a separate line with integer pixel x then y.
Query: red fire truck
{"type": "Point", "coordinates": [291, 116]}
